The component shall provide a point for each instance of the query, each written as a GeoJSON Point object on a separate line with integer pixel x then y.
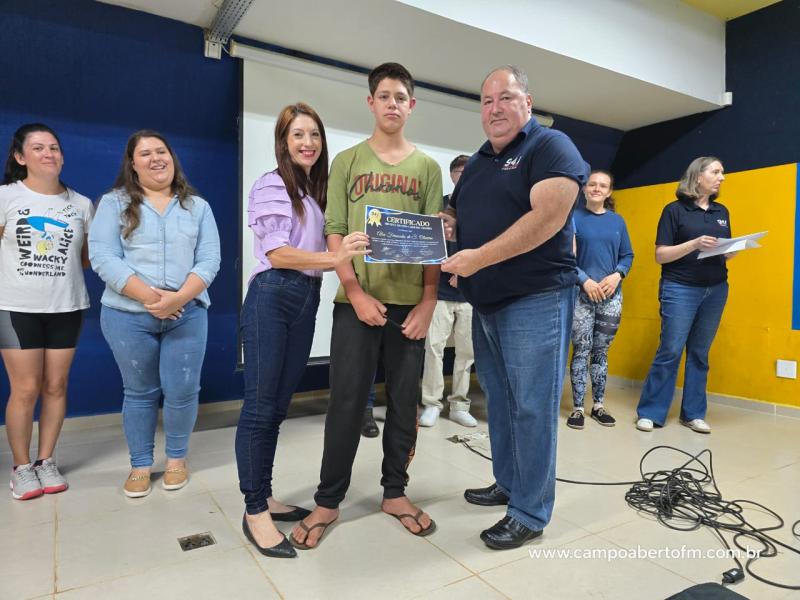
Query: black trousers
{"type": "Point", "coordinates": [356, 349]}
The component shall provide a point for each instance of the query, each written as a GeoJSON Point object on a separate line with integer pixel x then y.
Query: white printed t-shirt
{"type": "Point", "coordinates": [40, 250]}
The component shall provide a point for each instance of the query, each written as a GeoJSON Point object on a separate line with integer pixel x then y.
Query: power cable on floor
{"type": "Point", "coordinates": [687, 497]}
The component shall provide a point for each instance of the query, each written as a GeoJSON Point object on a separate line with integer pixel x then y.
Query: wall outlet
{"type": "Point", "coordinates": [786, 368]}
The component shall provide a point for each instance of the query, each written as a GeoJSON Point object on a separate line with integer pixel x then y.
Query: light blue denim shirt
{"type": "Point", "coordinates": [162, 251]}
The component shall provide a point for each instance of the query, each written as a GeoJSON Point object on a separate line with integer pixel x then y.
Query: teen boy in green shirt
{"type": "Point", "coordinates": [382, 311]}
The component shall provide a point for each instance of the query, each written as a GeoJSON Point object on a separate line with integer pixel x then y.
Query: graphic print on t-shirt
{"type": "Point", "coordinates": [43, 242]}
{"type": "Point", "coordinates": [386, 183]}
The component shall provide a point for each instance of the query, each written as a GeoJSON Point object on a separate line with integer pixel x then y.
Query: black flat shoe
{"type": "Point", "coordinates": [490, 496]}
{"type": "Point", "coordinates": [508, 533]}
{"type": "Point", "coordinates": [282, 550]}
{"type": "Point", "coordinates": [369, 428]}
{"type": "Point", "coordinates": [296, 514]}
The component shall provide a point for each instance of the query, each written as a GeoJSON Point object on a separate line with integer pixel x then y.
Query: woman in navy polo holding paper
{"type": "Point", "coordinates": [692, 293]}
{"type": "Point", "coordinates": [286, 214]}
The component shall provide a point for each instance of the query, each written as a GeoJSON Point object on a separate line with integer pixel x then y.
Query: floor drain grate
{"type": "Point", "coordinates": [198, 540]}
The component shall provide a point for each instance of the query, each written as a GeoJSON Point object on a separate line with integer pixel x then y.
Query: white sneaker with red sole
{"type": "Point", "coordinates": [51, 479]}
{"type": "Point", "coordinates": [24, 483]}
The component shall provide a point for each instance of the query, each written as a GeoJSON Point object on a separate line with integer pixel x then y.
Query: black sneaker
{"type": "Point", "coordinates": [600, 415]}
{"type": "Point", "coordinates": [575, 420]}
{"type": "Point", "coordinates": [369, 428]}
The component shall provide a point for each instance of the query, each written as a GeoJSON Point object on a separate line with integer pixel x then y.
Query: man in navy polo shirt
{"type": "Point", "coordinates": [513, 224]}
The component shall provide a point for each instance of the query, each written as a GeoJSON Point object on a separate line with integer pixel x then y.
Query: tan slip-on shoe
{"type": "Point", "coordinates": [175, 478]}
{"type": "Point", "coordinates": [137, 485]}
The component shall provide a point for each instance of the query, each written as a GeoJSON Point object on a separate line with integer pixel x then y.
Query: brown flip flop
{"type": "Point", "coordinates": [423, 531]}
{"type": "Point", "coordinates": [307, 529]}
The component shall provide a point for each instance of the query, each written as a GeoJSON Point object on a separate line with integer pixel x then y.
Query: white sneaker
{"type": "Point", "coordinates": [644, 425]}
{"type": "Point", "coordinates": [24, 483]}
{"type": "Point", "coordinates": [51, 479]}
{"type": "Point", "coordinates": [462, 417]}
{"type": "Point", "coordinates": [429, 416]}
{"type": "Point", "coordinates": [697, 425]}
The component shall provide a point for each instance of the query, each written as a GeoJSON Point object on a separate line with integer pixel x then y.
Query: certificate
{"type": "Point", "coordinates": [725, 245]}
{"type": "Point", "coordinates": [403, 237]}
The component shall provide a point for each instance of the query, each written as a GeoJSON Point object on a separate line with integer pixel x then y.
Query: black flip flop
{"type": "Point", "coordinates": [296, 514]}
{"type": "Point", "coordinates": [307, 529]}
{"type": "Point", "coordinates": [423, 531]}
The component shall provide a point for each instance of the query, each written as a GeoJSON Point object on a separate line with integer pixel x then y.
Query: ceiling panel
{"type": "Point", "coordinates": [444, 52]}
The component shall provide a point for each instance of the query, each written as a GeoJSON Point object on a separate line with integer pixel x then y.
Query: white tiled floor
{"type": "Point", "coordinates": [93, 543]}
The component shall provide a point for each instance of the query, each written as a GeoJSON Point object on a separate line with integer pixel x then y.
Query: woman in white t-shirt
{"type": "Point", "coordinates": [43, 228]}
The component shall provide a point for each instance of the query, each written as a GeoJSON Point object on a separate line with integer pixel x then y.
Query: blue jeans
{"type": "Point", "coordinates": [157, 357]}
{"type": "Point", "coordinates": [520, 357]}
{"type": "Point", "coordinates": [372, 394]}
{"type": "Point", "coordinates": [690, 317]}
{"type": "Point", "coordinates": [277, 328]}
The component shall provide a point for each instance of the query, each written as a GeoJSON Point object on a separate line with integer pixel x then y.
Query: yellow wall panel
{"type": "Point", "coordinates": [756, 327]}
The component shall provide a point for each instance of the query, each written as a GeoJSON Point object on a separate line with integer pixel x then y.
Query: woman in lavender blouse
{"type": "Point", "coordinates": [286, 214]}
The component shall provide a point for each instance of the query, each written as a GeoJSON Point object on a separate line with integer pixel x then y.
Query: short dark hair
{"type": "Point", "coordinates": [390, 70]}
{"type": "Point", "coordinates": [458, 161]}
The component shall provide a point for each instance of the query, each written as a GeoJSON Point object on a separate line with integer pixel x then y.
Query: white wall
{"type": "Point", "coordinates": [437, 127]}
{"type": "Point", "coordinates": [663, 42]}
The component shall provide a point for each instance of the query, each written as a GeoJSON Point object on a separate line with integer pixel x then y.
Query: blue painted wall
{"type": "Point", "coordinates": [796, 287]}
{"type": "Point", "coordinates": [96, 73]}
{"type": "Point", "coordinates": [597, 144]}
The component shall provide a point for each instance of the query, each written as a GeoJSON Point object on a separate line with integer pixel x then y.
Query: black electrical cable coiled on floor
{"type": "Point", "coordinates": [687, 497]}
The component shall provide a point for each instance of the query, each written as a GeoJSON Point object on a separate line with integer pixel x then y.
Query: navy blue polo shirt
{"type": "Point", "coordinates": [494, 193]}
{"type": "Point", "coordinates": [682, 220]}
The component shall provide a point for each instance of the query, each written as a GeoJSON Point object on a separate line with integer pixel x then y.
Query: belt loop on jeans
{"type": "Point", "coordinates": [310, 279]}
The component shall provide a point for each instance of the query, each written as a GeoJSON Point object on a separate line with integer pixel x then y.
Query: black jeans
{"type": "Point", "coordinates": [356, 349]}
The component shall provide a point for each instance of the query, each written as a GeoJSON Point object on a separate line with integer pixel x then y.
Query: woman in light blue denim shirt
{"type": "Point", "coordinates": [156, 246]}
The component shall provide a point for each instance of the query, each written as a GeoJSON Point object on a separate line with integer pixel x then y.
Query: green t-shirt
{"type": "Point", "coordinates": [357, 178]}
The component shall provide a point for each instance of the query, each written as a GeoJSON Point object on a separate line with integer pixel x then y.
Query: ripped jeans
{"type": "Point", "coordinates": [157, 358]}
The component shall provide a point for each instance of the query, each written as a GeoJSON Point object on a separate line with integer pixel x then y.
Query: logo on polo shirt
{"type": "Point", "coordinates": [512, 163]}
{"type": "Point", "coordinates": [722, 222]}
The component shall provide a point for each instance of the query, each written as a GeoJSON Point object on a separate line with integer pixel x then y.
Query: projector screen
{"type": "Point", "coordinates": [440, 125]}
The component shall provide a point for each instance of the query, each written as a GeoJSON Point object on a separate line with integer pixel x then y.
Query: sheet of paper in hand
{"type": "Point", "coordinates": [404, 237]}
{"type": "Point", "coordinates": [737, 244]}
